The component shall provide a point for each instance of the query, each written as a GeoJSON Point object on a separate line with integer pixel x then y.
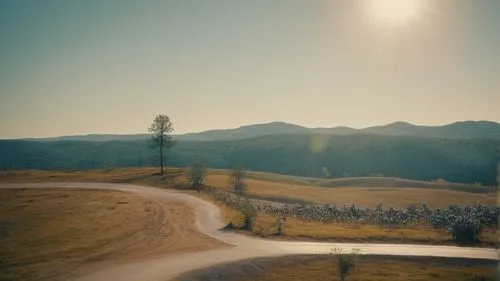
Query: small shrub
{"type": "Point", "coordinates": [259, 231]}
{"type": "Point", "coordinates": [229, 226]}
{"type": "Point", "coordinates": [248, 221]}
{"type": "Point", "coordinates": [249, 212]}
{"type": "Point", "coordinates": [280, 222]}
{"type": "Point", "coordinates": [465, 230]}
{"type": "Point", "coordinates": [345, 262]}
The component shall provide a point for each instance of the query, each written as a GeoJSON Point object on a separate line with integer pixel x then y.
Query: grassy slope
{"type": "Point", "coordinates": [364, 192]}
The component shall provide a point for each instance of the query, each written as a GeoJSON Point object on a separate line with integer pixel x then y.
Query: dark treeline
{"type": "Point", "coordinates": [457, 160]}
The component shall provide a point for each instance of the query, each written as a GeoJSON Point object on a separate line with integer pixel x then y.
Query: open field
{"type": "Point", "coordinates": [273, 186]}
{"type": "Point", "coordinates": [104, 175]}
{"type": "Point", "coordinates": [364, 192]}
{"type": "Point", "coordinates": [369, 268]}
{"type": "Point", "coordinates": [362, 196]}
{"type": "Point", "coordinates": [59, 233]}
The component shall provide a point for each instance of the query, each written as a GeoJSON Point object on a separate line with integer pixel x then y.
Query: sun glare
{"type": "Point", "coordinates": [394, 11]}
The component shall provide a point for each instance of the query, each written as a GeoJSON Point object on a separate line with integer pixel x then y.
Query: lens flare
{"type": "Point", "coordinates": [394, 11]}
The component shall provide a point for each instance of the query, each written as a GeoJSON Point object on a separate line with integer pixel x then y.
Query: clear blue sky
{"type": "Point", "coordinates": [95, 66]}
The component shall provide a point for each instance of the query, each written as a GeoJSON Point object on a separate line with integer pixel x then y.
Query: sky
{"type": "Point", "coordinates": [99, 66]}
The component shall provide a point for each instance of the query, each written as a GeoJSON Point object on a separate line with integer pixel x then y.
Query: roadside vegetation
{"type": "Point", "coordinates": [345, 262]}
{"type": "Point", "coordinates": [353, 224]}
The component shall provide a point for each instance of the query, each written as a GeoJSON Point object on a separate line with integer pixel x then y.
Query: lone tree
{"type": "Point", "coordinates": [196, 174]}
{"type": "Point", "coordinates": [238, 180]}
{"type": "Point", "coordinates": [161, 127]}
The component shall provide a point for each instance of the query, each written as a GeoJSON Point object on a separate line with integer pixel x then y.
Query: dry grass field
{"type": "Point", "coordinates": [54, 234]}
{"type": "Point", "coordinates": [266, 185]}
{"type": "Point", "coordinates": [124, 175]}
{"type": "Point", "coordinates": [369, 196]}
{"type": "Point", "coordinates": [364, 192]}
{"type": "Point", "coordinates": [368, 268]}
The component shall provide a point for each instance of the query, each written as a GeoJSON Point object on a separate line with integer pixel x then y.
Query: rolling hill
{"type": "Point", "coordinates": [457, 130]}
{"type": "Point", "coordinates": [244, 132]}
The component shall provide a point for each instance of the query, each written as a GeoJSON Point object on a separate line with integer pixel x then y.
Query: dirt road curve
{"type": "Point", "coordinates": [208, 222]}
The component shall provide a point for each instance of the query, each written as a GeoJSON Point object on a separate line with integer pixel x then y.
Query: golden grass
{"type": "Point", "coordinates": [376, 269]}
{"type": "Point", "coordinates": [53, 234]}
{"type": "Point", "coordinates": [265, 226]}
{"type": "Point", "coordinates": [361, 196]}
{"type": "Point", "coordinates": [101, 175]}
{"type": "Point", "coordinates": [269, 185]}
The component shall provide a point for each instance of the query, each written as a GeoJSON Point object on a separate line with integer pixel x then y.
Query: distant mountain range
{"type": "Point", "coordinates": [457, 130]}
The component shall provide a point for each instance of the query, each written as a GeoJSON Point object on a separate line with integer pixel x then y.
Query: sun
{"type": "Point", "coordinates": [394, 11]}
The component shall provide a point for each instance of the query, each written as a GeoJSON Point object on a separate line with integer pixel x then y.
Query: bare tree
{"type": "Point", "coordinates": [238, 180]}
{"type": "Point", "coordinates": [345, 261]}
{"type": "Point", "coordinates": [161, 127]}
{"type": "Point", "coordinates": [196, 174]}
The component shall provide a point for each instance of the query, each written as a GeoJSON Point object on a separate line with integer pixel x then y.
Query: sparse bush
{"type": "Point", "coordinates": [345, 262]}
{"type": "Point", "coordinates": [196, 174]}
{"type": "Point", "coordinates": [229, 226]}
{"type": "Point", "coordinates": [248, 221]}
{"type": "Point", "coordinates": [249, 212]}
{"type": "Point", "coordinates": [280, 222]}
{"type": "Point", "coordinates": [238, 181]}
{"type": "Point", "coordinates": [465, 230]}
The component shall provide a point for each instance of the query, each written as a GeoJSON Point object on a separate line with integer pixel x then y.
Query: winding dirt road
{"type": "Point", "coordinates": [208, 222]}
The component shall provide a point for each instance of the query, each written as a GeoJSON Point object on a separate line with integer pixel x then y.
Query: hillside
{"type": "Point", "coordinates": [244, 132]}
{"type": "Point", "coordinates": [466, 129]}
{"type": "Point", "coordinates": [456, 160]}
{"type": "Point", "coordinates": [458, 130]}
{"type": "Point", "coordinates": [363, 191]}
{"type": "Point", "coordinates": [95, 137]}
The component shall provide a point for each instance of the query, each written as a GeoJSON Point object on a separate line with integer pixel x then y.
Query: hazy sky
{"type": "Point", "coordinates": [78, 67]}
